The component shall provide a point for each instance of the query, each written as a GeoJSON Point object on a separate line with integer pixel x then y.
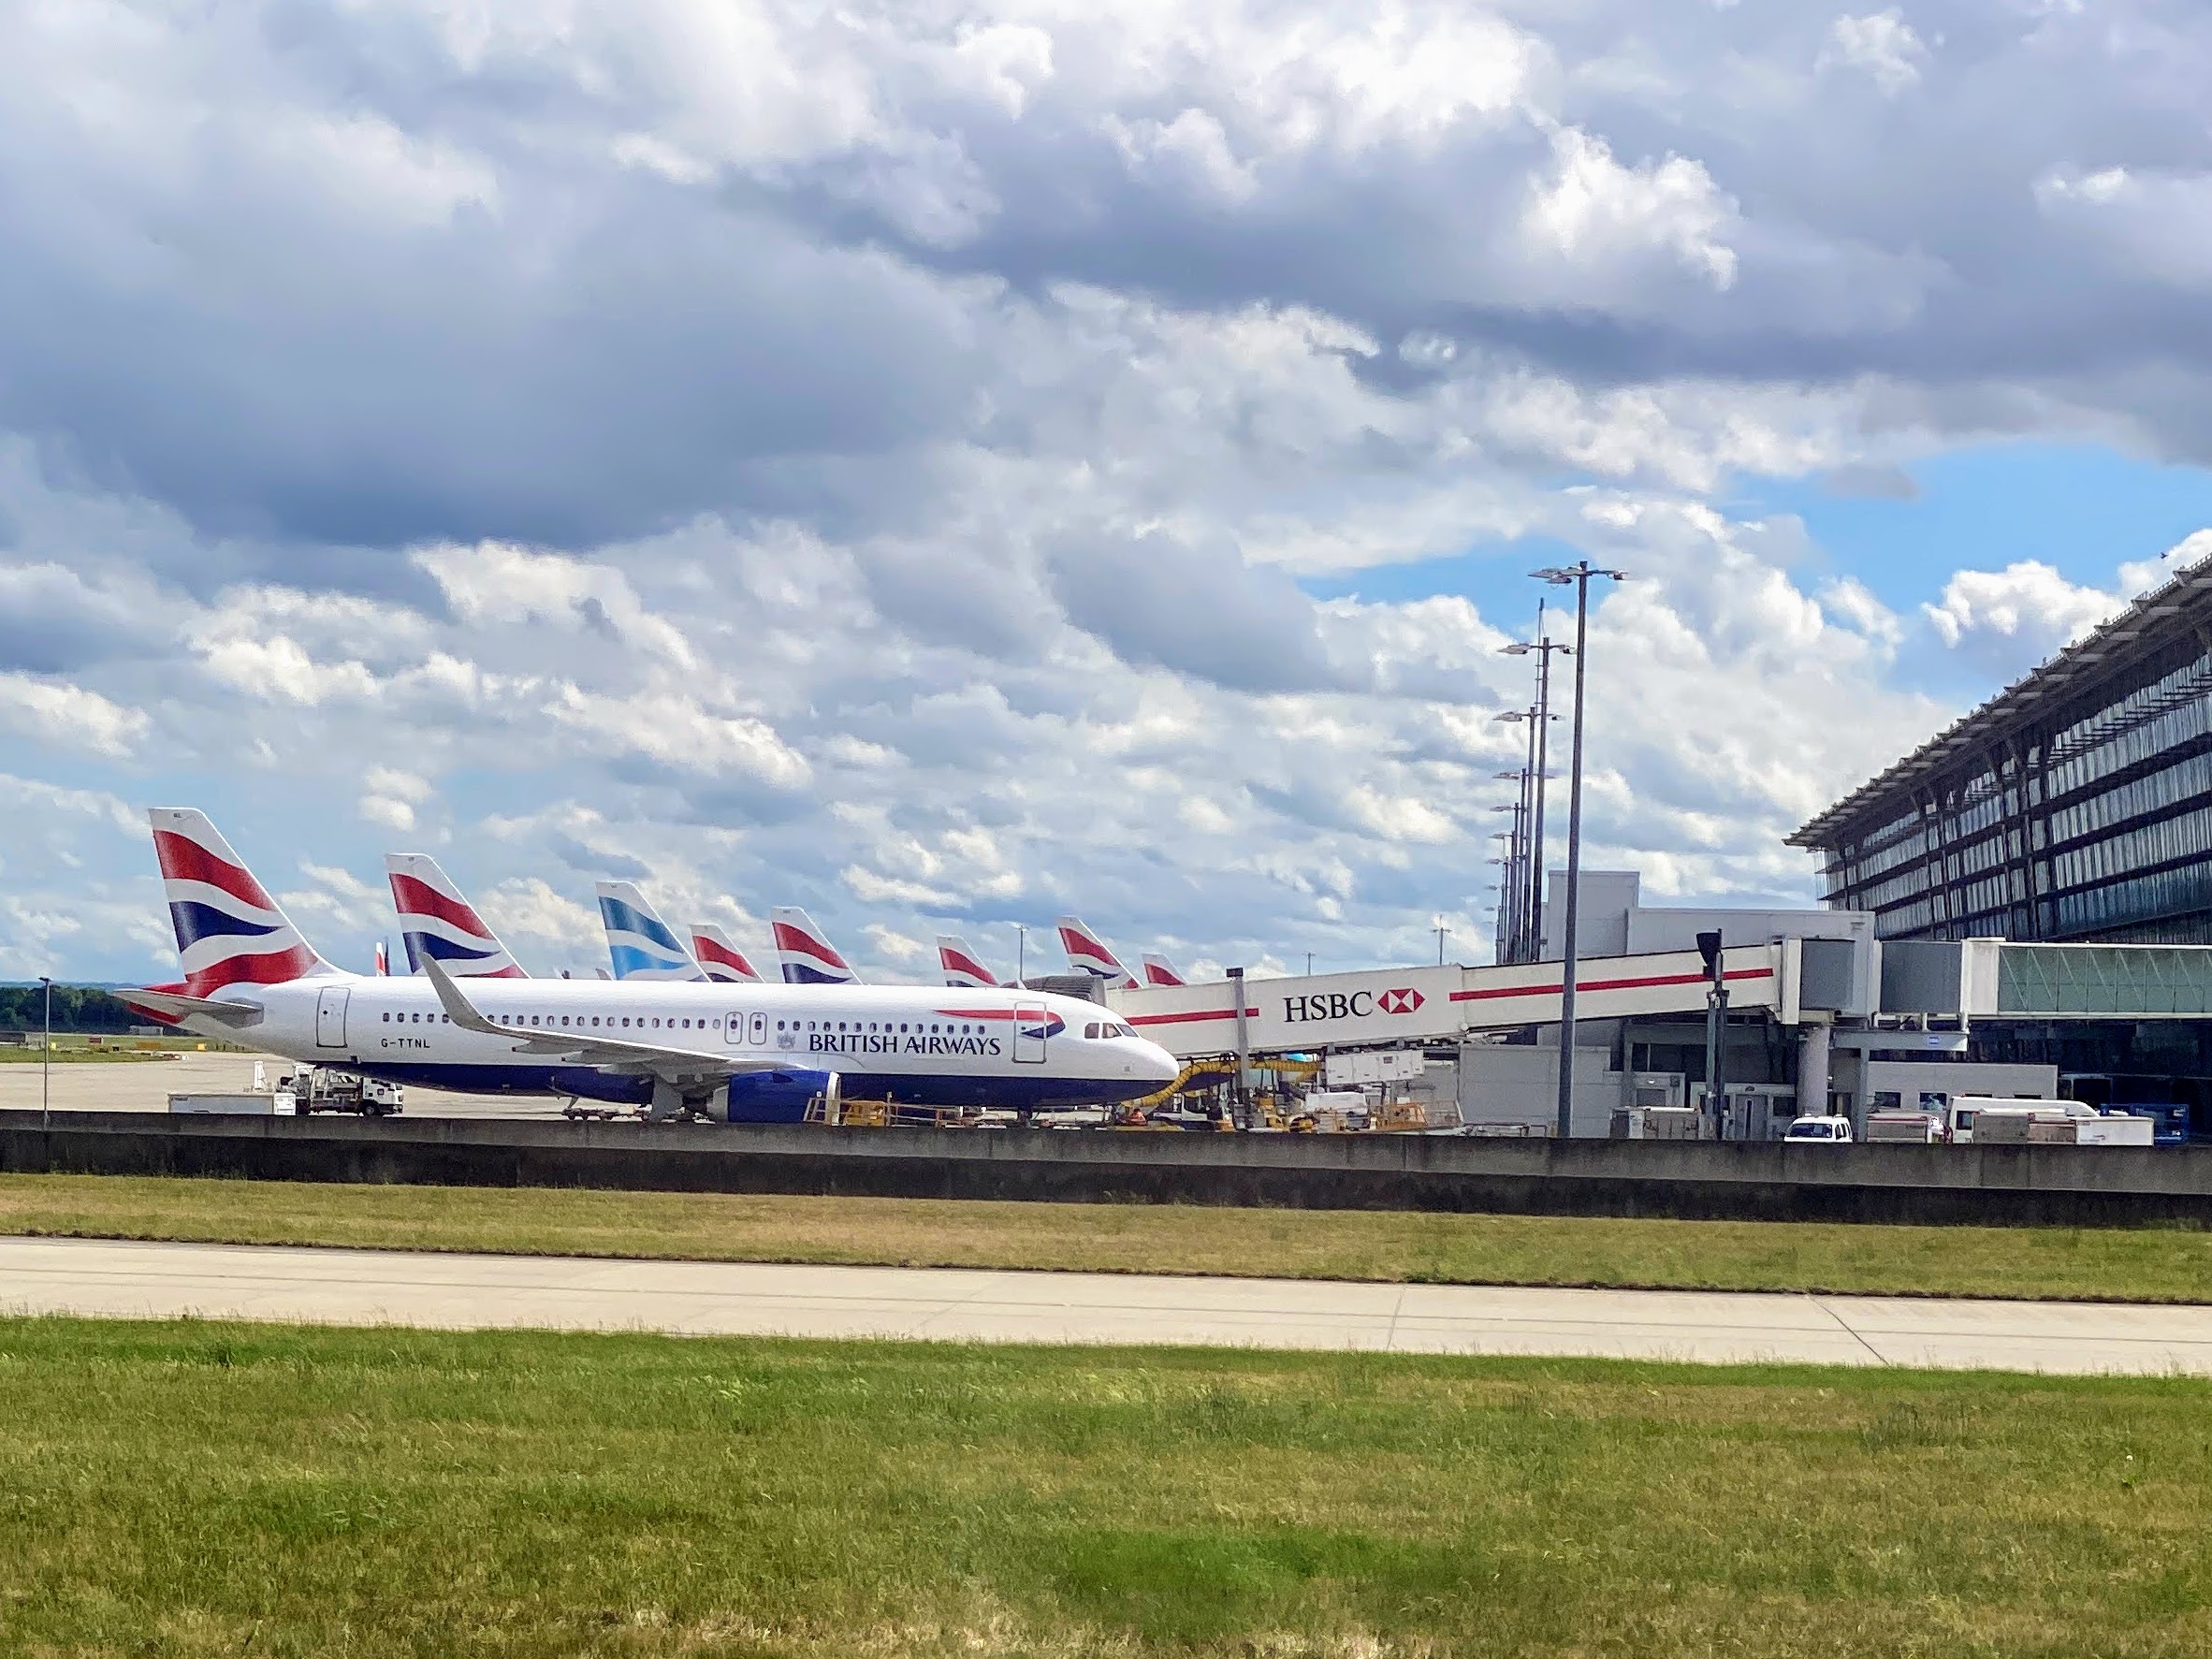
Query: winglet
{"type": "Point", "coordinates": [458, 1009]}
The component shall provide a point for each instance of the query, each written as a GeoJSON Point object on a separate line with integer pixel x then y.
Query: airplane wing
{"type": "Point", "coordinates": [176, 1005]}
{"type": "Point", "coordinates": [611, 1054]}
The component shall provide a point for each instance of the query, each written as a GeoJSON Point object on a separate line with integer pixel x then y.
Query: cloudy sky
{"type": "Point", "coordinates": [946, 464]}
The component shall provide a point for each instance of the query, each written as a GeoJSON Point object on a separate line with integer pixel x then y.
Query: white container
{"type": "Point", "coordinates": [245, 1103]}
{"type": "Point", "coordinates": [2118, 1129]}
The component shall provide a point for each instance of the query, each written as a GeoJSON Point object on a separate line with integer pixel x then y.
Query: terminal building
{"type": "Point", "coordinates": [2022, 907]}
{"type": "Point", "coordinates": [2075, 804]}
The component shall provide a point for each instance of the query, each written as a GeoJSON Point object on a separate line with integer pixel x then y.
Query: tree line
{"type": "Point", "coordinates": [76, 1007]}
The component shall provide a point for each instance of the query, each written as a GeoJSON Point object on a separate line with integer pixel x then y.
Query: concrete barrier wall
{"type": "Point", "coordinates": [2059, 1185]}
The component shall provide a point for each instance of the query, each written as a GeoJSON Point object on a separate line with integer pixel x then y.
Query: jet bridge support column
{"type": "Point", "coordinates": [1812, 1070]}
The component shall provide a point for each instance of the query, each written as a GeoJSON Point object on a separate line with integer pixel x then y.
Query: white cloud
{"type": "Point", "coordinates": [1592, 212]}
{"type": "Point", "coordinates": [64, 716]}
{"type": "Point", "coordinates": [2016, 616]}
{"type": "Point", "coordinates": [885, 459]}
{"type": "Point", "coordinates": [1881, 45]}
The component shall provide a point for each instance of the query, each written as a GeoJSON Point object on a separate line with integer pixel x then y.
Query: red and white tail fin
{"type": "Point", "coordinates": [436, 921]}
{"type": "Point", "coordinates": [229, 931]}
{"type": "Point", "coordinates": [1158, 970]}
{"type": "Point", "coordinates": [1087, 954]}
{"type": "Point", "coordinates": [804, 953]}
{"type": "Point", "coordinates": [714, 951]}
{"type": "Point", "coordinates": [961, 966]}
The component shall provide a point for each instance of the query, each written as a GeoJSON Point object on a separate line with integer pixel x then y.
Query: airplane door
{"type": "Point", "coordinates": [756, 1030]}
{"type": "Point", "coordinates": [330, 1017]}
{"type": "Point", "coordinates": [1031, 1028]}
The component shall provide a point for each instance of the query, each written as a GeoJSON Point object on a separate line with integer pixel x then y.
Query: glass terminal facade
{"type": "Point", "coordinates": [2075, 804]}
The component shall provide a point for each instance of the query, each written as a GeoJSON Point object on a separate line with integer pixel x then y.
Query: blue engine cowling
{"type": "Point", "coordinates": [773, 1096]}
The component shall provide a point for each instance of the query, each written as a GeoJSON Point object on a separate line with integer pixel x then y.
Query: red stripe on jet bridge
{"type": "Point", "coordinates": [416, 898]}
{"type": "Point", "coordinates": [1184, 1019]}
{"type": "Point", "coordinates": [183, 859]}
{"type": "Point", "coordinates": [1559, 989]}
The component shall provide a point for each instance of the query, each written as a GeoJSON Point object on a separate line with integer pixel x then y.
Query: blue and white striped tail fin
{"type": "Point", "coordinates": [638, 942]}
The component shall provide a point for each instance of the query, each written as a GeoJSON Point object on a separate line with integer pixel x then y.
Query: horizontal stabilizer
{"type": "Point", "coordinates": [176, 1005]}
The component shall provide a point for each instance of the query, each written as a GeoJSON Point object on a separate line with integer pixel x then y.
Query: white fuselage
{"type": "Point", "coordinates": [1024, 1050]}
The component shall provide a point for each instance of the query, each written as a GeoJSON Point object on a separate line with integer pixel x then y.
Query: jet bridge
{"type": "Point", "coordinates": [1440, 1005]}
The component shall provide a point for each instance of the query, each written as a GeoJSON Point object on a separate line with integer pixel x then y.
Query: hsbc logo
{"type": "Point", "coordinates": [1354, 1005]}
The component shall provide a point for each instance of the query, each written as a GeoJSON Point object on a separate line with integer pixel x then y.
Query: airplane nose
{"type": "Point", "coordinates": [1160, 1065]}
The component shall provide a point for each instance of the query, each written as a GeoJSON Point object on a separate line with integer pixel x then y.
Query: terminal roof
{"type": "Point", "coordinates": [2155, 613]}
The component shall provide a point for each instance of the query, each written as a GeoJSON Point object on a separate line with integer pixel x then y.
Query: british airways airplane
{"type": "Point", "coordinates": [730, 1053]}
{"type": "Point", "coordinates": [436, 921]}
{"type": "Point", "coordinates": [1160, 971]}
{"type": "Point", "coordinates": [1089, 953]}
{"type": "Point", "coordinates": [640, 945]}
{"type": "Point", "coordinates": [961, 967]}
{"type": "Point", "coordinates": [718, 955]}
{"type": "Point", "coordinates": [804, 953]}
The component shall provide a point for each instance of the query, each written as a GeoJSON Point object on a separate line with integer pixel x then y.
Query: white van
{"type": "Point", "coordinates": [1825, 1131]}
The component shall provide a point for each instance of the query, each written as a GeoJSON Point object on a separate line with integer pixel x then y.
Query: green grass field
{"type": "Point", "coordinates": [80, 1052]}
{"type": "Point", "coordinates": [2151, 1265]}
{"type": "Point", "coordinates": [184, 1489]}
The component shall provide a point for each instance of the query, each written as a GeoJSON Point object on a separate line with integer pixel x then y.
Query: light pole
{"type": "Point", "coordinates": [1515, 842]}
{"type": "Point", "coordinates": [1021, 954]}
{"type": "Point", "coordinates": [1575, 575]}
{"type": "Point", "coordinates": [45, 1061]}
{"type": "Point", "coordinates": [1539, 759]}
{"type": "Point", "coordinates": [1509, 889]}
{"type": "Point", "coordinates": [1440, 931]}
{"type": "Point", "coordinates": [1524, 870]}
{"type": "Point", "coordinates": [1529, 776]}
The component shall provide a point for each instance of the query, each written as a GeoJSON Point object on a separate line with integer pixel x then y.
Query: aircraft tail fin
{"type": "Point", "coordinates": [804, 953]}
{"type": "Point", "coordinates": [717, 953]}
{"type": "Point", "coordinates": [436, 921]}
{"type": "Point", "coordinates": [1088, 953]}
{"type": "Point", "coordinates": [638, 942]}
{"type": "Point", "coordinates": [229, 930]}
{"type": "Point", "coordinates": [963, 968]}
{"type": "Point", "coordinates": [1158, 970]}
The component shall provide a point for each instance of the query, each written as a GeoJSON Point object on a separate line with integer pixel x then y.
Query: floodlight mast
{"type": "Point", "coordinates": [1575, 575]}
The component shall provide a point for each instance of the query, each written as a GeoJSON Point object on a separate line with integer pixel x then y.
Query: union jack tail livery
{"type": "Point", "coordinates": [1158, 970]}
{"type": "Point", "coordinates": [435, 921]}
{"type": "Point", "coordinates": [638, 942]}
{"type": "Point", "coordinates": [961, 966]}
{"type": "Point", "coordinates": [1087, 954]}
{"type": "Point", "coordinates": [719, 955]}
{"type": "Point", "coordinates": [229, 931]}
{"type": "Point", "coordinates": [384, 959]}
{"type": "Point", "coordinates": [806, 958]}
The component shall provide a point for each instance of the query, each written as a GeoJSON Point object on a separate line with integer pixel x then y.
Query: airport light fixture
{"type": "Point", "coordinates": [1578, 577]}
{"type": "Point", "coordinates": [1541, 648]}
{"type": "Point", "coordinates": [45, 1061]}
